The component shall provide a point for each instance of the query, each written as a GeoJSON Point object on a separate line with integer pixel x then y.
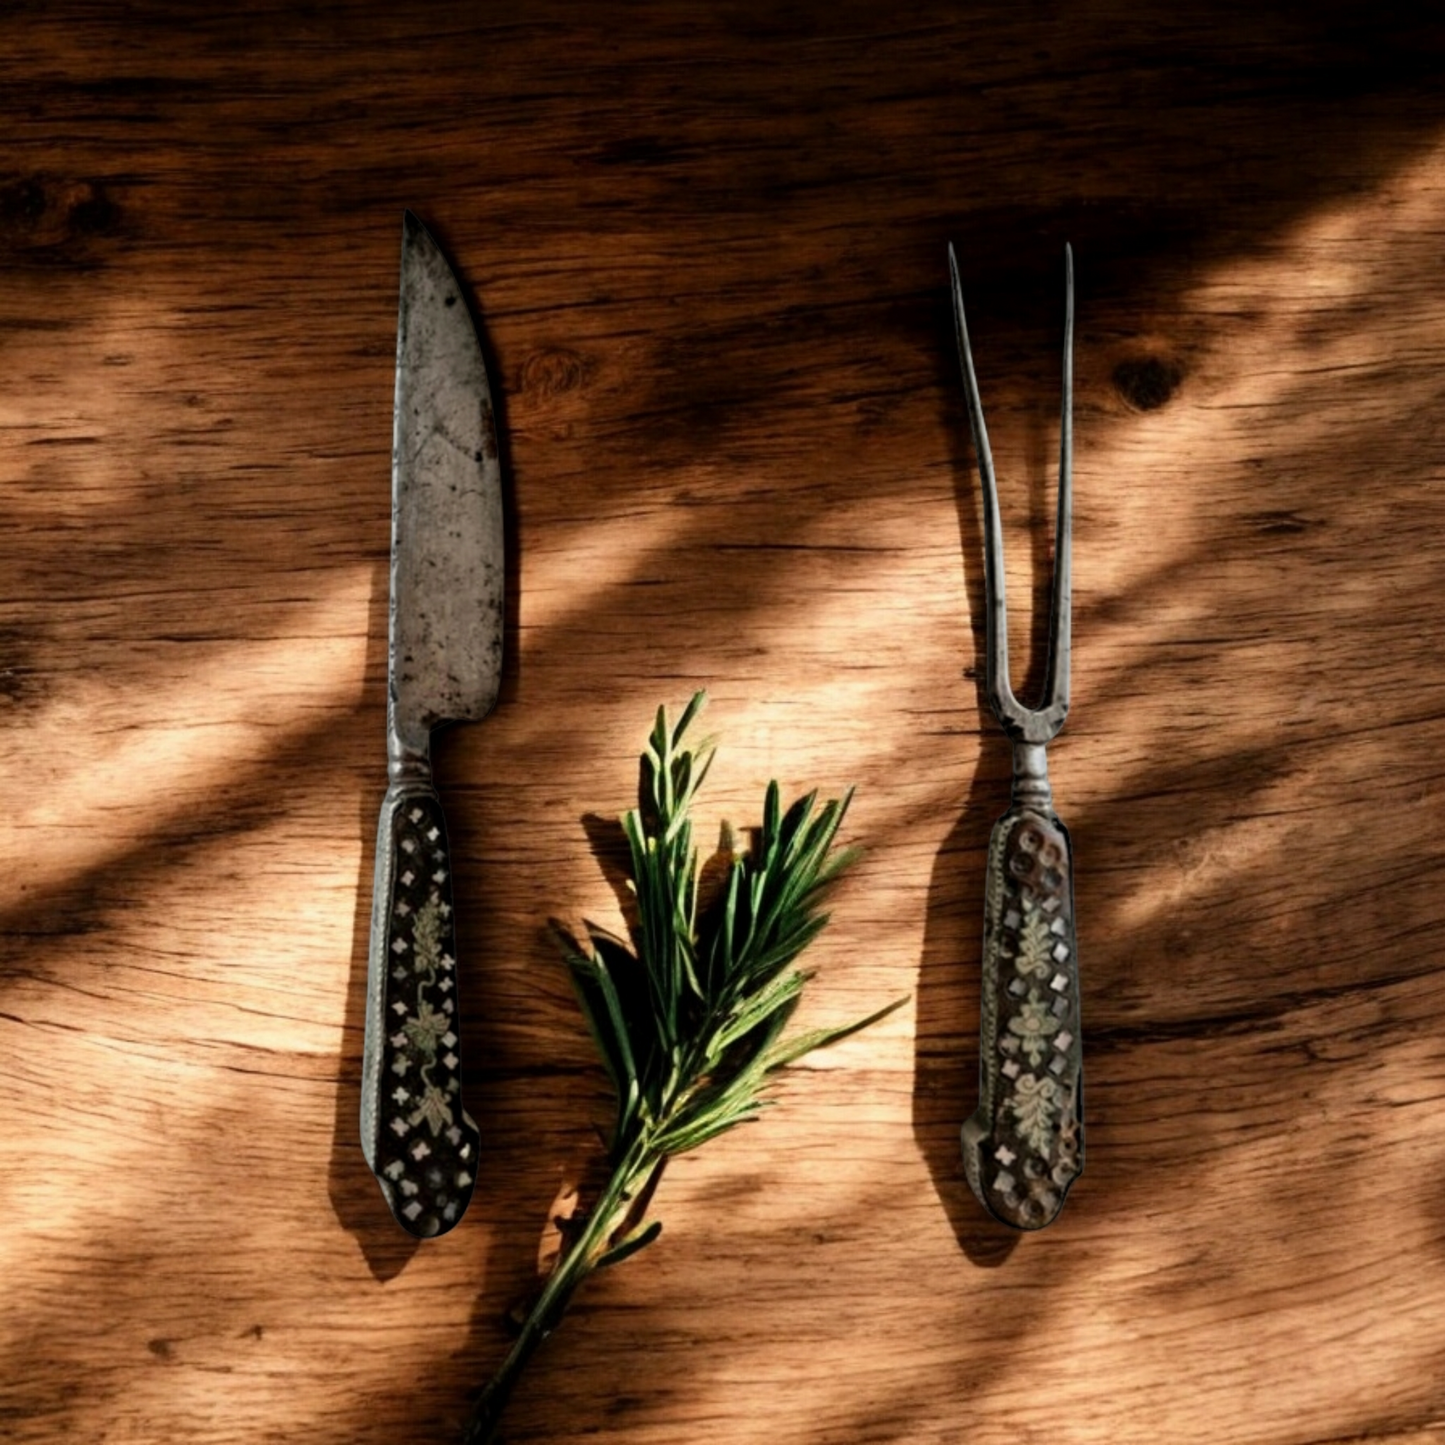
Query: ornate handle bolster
{"type": "Point", "coordinates": [419, 1141]}
{"type": "Point", "coordinates": [1024, 1146]}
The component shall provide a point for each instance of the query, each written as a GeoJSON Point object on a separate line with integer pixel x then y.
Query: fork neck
{"type": "Point", "coordinates": [1031, 778]}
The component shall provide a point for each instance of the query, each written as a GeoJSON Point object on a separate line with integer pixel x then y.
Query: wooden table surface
{"type": "Point", "coordinates": [706, 244]}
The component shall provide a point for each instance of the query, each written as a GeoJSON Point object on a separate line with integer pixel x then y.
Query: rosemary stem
{"type": "Point", "coordinates": [575, 1265]}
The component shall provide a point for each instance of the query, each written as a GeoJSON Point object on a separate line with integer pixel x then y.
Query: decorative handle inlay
{"type": "Point", "coordinates": [418, 1139]}
{"type": "Point", "coordinates": [1024, 1146]}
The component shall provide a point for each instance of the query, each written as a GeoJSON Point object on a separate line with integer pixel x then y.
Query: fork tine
{"type": "Point", "coordinates": [1056, 687]}
{"type": "Point", "coordinates": [1000, 694]}
{"type": "Point", "coordinates": [1034, 725]}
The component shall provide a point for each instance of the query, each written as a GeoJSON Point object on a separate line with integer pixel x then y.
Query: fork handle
{"type": "Point", "coordinates": [1024, 1146]}
{"type": "Point", "coordinates": [418, 1139]}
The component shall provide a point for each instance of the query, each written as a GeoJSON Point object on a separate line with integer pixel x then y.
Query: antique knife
{"type": "Point", "coordinates": [444, 665]}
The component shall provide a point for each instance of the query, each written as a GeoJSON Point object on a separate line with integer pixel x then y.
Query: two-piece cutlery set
{"type": "Point", "coordinates": [1024, 1145]}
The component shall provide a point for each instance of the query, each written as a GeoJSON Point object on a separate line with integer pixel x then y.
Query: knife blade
{"type": "Point", "coordinates": [443, 665]}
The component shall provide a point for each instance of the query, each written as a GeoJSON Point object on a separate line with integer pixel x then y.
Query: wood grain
{"type": "Point", "coordinates": [707, 246]}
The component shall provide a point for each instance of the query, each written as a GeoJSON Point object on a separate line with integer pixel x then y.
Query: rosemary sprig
{"type": "Point", "coordinates": [689, 1014]}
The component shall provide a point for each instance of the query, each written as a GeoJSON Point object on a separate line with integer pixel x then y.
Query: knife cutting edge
{"type": "Point", "coordinates": [444, 665]}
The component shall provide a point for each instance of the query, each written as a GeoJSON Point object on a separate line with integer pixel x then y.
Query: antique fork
{"type": "Point", "coordinates": [1024, 1146]}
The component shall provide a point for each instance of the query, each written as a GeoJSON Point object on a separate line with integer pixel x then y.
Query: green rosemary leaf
{"type": "Point", "coordinates": [795, 1048]}
{"type": "Point", "coordinates": [655, 937]}
{"type": "Point", "coordinates": [724, 941]}
{"type": "Point", "coordinates": [689, 714]}
{"type": "Point", "coordinates": [684, 1140]}
{"type": "Point", "coordinates": [727, 1095]}
{"type": "Point", "coordinates": [835, 864]}
{"type": "Point", "coordinates": [602, 1010]}
{"type": "Point", "coordinates": [810, 853]}
{"type": "Point", "coordinates": [639, 1239]}
{"type": "Point", "coordinates": [756, 1007]}
{"type": "Point", "coordinates": [794, 825]}
{"type": "Point", "coordinates": [787, 948]}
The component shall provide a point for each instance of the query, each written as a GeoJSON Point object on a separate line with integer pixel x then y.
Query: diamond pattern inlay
{"type": "Point", "coordinates": [426, 1148]}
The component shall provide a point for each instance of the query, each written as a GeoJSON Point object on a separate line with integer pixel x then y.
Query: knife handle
{"type": "Point", "coordinates": [418, 1139]}
{"type": "Point", "coordinates": [1024, 1146]}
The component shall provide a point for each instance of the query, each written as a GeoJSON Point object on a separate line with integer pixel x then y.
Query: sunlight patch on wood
{"type": "Point", "coordinates": [153, 751]}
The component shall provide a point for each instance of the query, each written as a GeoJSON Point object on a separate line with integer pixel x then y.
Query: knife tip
{"type": "Point", "coordinates": [414, 233]}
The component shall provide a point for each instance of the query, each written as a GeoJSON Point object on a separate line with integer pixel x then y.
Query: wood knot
{"type": "Point", "coordinates": [52, 215]}
{"type": "Point", "coordinates": [1279, 524]}
{"type": "Point", "coordinates": [552, 372]}
{"type": "Point", "coordinates": [638, 150]}
{"type": "Point", "coordinates": [1147, 382]}
{"type": "Point", "coordinates": [20, 680]}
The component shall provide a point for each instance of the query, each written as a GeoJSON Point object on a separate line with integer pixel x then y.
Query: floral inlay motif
{"type": "Point", "coordinates": [1034, 1104]}
{"type": "Point", "coordinates": [1036, 942]}
{"type": "Point", "coordinates": [426, 1027]}
{"type": "Point", "coordinates": [1035, 1024]}
{"type": "Point", "coordinates": [434, 1109]}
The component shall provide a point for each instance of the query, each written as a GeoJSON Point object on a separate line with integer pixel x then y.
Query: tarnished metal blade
{"type": "Point", "coordinates": [447, 557]}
